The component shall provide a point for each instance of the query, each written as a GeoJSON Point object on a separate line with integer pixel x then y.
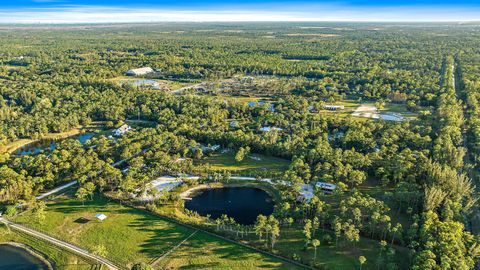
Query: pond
{"type": "Point", "coordinates": [42, 145]}
{"type": "Point", "coordinates": [12, 257]}
{"type": "Point", "coordinates": [143, 82]}
{"type": "Point", "coordinates": [243, 204]}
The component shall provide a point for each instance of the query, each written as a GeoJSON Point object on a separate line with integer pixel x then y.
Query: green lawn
{"type": "Point", "coordinates": [204, 252]}
{"type": "Point", "coordinates": [62, 260]}
{"type": "Point", "coordinates": [252, 162]}
{"type": "Point", "coordinates": [131, 235]}
{"type": "Point", "coordinates": [292, 241]}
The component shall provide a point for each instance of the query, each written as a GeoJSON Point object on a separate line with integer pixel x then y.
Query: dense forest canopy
{"type": "Point", "coordinates": [56, 78]}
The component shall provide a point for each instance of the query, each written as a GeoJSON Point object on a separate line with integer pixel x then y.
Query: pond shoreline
{"type": "Point", "coordinates": [35, 253]}
{"type": "Point", "coordinates": [231, 200]}
{"type": "Point", "coordinates": [196, 190]}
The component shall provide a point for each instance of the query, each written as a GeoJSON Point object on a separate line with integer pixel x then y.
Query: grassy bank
{"type": "Point", "coordinates": [61, 259]}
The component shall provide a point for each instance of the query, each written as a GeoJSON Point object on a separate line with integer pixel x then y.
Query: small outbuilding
{"type": "Point", "coordinates": [100, 217]}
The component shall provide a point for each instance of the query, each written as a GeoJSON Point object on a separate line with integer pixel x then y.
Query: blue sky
{"type": "Point", "coordinates": [75, 11]}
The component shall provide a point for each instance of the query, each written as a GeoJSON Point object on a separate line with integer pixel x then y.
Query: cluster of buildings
{"type": "Point", "coordinates": [122, 130]}
{"type": "Point", "coordinates": [307, 191]}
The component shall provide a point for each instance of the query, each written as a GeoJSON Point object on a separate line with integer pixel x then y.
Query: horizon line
{"type": "Point", "coordinates": [284, 13]}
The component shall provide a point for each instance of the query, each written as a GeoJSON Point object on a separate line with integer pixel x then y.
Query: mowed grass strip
{"type": "Point", "coordinates": [252, 162]}
{"type": "Point", "coordinates": [131, 235]}
{"type": "Point", "coordinates": [203, 251]}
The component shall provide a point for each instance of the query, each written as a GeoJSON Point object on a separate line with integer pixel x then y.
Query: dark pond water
{"type": "Point", "coordinates": [42, 145]}
{"type": "Point", "coordinates": [243, 204]}
{"type": "Point", "coordinates": [15, 258]}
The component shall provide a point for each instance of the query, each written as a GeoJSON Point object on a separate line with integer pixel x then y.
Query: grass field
{"type": "Point", "coordinates": [131, 235]}
{"type": "Point", "coordinates": [252, 162]}
{"type": "Point", "coordinates": [62, 260]}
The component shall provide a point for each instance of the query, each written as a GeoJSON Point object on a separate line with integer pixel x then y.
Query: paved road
{"type": "Point", "coordinates": [59, 243]}
{"type": "Point", "coordinates": [74, 182]}
{"type": "Point", "coordinates": [55, 190]}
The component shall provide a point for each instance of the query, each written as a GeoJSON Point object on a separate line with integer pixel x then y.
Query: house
{"type": "Point", "coordinates": [206, 148]}
{"type": "Point", "coordinates": [268, 129]}
{"type": "Point", "coordinates": [306, 193]}
{"type": "Point", "coordinates": [139, 71]}
{"type": "Point", "coordinates": [100, 217]}
{"type": "Point", "coordinates": [312, 109]}
{"type": "Point", "coordinates": [122, 130]}
{"type": "Point", "coordinates": [327, 187]}
{"type": "Point", "coordinates": [333, 107]}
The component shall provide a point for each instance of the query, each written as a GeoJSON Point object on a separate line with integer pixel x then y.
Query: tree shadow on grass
{"type": "Point", "coordinates": [212, 248]}
{"type": "Point", "coordinates": [165, 234]}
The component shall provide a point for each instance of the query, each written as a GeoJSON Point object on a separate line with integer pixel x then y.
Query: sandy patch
{"type": "Point", "coordinates": [370, 111]}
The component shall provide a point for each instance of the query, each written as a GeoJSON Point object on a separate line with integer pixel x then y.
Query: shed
{"type": "Point", "coordinates": [100, 217]}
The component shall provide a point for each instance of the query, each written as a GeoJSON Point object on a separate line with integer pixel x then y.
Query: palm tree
{"type": "Point", "coordinates": [260, 225]}
{"type": "Point", "coordinates": [362, 260]}
{"type": "Point", "coordinates": [315, 244]}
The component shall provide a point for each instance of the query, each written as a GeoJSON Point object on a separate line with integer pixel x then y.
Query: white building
{"type": "Point", "coordinates": [306, 193]}
{"type": "Point", "coordinates": [122, 130]}
{"type": "Point", "coordinates": [139, 71]}
{"type": "Point", "coordinates": [326, 186]}
{"type": "Point", "coordinates": [268, 129]}
{"type": "Point", "coordinates": [100, 217]}
{"type": "Point", "coordinates": [333, 107]}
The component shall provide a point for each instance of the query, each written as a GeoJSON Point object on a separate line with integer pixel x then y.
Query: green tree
{"type": "Point", "coordinates": [260, 225]}
{"type": "Point", "coordinates": [81, 195]}
{"type": "Point", "coordinates": [362, 261]}
{"type": "Point", "coordinates": [141, 266]}
{"type": "Point", "coordinates": [307, 231]}
{"type": "Point", "coordinates": [315, 244]}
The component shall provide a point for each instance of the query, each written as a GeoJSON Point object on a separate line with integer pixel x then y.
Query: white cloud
{"type": "Point", "coordinates": [96, 14]}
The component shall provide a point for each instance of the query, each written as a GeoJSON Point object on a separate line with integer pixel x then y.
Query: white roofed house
{"type": "Point", "coordinates": [268, 129]}
{"type": "Point", "coordinates": [326, 187]}
{"type": "Point", "coordinates": [139, 71]}
{"type": "Point", "coordinates": [122, 130]}
{"type": "Point", "coordinates": [333, 107]}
